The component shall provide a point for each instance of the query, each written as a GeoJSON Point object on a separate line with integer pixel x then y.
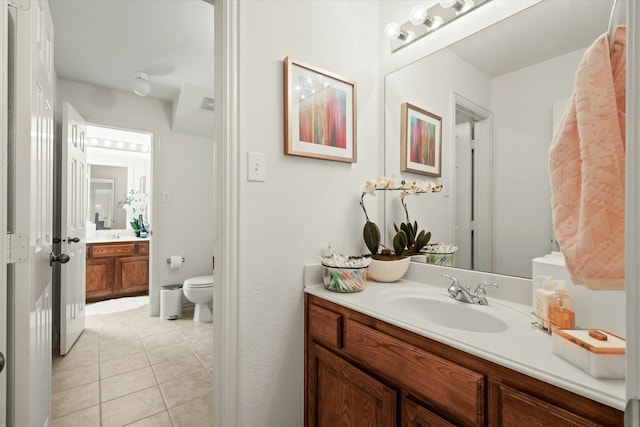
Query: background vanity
{"type": "Point", "coordinates": [117, 268]}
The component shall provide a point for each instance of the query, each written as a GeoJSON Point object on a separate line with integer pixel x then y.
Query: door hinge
{"type": "Point", "coordinates": [474, 144]}
{"type": "Point", "coordinates": [17, 248]}
{"type": "Point", "coordinates": [472, 225]}
{"type": "Point", "coordinates": [20, 4]}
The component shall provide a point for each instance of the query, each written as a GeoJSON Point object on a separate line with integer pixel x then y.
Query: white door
{"type": "Point", "coordinates": [464, 196]}
{"type": "Point", "coordinates": [31, 213]}
{"type": "Point", "coordinates": [73, 191]}
{"type": "Point", "coordinates": [482, 196]}
{"type": "Point", "coordinates": [4, 33]}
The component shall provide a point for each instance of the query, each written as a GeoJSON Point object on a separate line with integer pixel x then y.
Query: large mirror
{"type": "Point", "coordinates": [495, 93]}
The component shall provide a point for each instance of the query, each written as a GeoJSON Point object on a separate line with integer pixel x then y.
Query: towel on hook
{"type": "Point", "coordinates": [587, 168]}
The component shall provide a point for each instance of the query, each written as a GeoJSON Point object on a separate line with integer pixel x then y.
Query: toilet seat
{"type": "Point", "coordinates": [199, 282]}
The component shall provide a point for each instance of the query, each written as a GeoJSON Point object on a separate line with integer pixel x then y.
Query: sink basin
{"type": "Point", "coordinates": [449, 313]}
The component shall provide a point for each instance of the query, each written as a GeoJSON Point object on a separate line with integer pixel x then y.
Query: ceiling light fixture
{"type": "Point", "coordinates": [424, 20]}
{"type": "Point", "coordinates": [141, 84]}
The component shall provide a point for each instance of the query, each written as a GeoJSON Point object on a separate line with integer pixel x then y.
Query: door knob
{"type": "Point", "coordinates": [73, 240]}
{"type": "Point", "coordinates": [2, 361]}
{"type": "Point", "coordinates": [62, 259]}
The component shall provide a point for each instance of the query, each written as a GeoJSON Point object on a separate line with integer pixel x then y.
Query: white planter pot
{"type": "Point", "coordinates": [388, 271]}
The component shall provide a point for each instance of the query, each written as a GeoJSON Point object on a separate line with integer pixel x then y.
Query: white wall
{"type": "Point", "coordinates": [305, 203]}
{"type": "Point", "coordinates": [182, 166]}
{"type": "Point", "coordinates": [522, 103]}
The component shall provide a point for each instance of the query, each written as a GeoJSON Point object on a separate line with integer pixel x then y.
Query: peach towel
{"type": "Point", "coordinates": [587, 168]}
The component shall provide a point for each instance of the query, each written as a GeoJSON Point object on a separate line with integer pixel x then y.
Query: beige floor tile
{"type": "Point", "coordinates": [127, 383]}
{"type": "Point", "coordinates": [187, 366]}
{"type": "Point", "coordinates": [207, 359]}
{"type": "Point", "coordinates": [120, 348]}
{"type": "Point", "coordinates": [195, 333]}
{"type": "Point", "coordinates": [64, 380]}
{"type": "Point", "coordinates": [74, 399]}
{"type": "Point", "coordinates": [133, 407]}
{"type": "Point", "coordinates": [75, 360]}
{"type": "Point", "coordinates": [202, 346]}
{"type": "Point", "coordinates": [197, 413]}
{"type": "Point", "coordinates": [120, 365]}
{"type": "Point", "coordinates": [169, 353]}
{"type": "Point", "coordinates": [185, 389]}
{"type": "Point", "coordinates": [161, 419]}
{"type": "Point", "coordinates": [89, 417]}
{"type": "Point", "coordinates": [155, 326]}
{"type": "Point", "coordinates": [162, 339]}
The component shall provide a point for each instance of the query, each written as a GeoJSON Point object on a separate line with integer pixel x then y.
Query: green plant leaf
{"type": "Point", "coordinates": [371, 234]}
{"type": "Point", "coordinates": [399, 242]}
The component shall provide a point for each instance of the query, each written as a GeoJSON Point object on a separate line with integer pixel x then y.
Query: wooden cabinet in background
{"type": "Point", "coordinates": [117, 269]}
{"type": "Point", "coordinates": [363, 371]}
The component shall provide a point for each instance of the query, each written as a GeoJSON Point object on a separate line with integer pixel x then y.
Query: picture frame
{"type": "Point", "coordinates": [420, 141]}
{"type": "Point", "coordinates": [319, 113]}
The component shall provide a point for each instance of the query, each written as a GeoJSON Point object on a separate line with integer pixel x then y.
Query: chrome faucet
{"type": "Point", "coordinates": [480, 295]}
{"type": "Point", "coordinates": [461, 293]}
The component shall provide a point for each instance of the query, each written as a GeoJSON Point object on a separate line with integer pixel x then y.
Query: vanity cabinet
{"type": "Point", "coordinates": [116, 269]}
{"type": "Point", "coordinates": [360, 368]}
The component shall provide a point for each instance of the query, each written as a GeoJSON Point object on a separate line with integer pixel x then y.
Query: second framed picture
{"type": "Point", "coordinates": [421, 141]}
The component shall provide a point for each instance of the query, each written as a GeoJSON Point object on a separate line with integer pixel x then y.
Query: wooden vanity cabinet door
{"type": "Point", "coordinates": [339, 394]}
{"type": "Point", "coordinates": [520, 409]}
{"type": "Point", "coordinates": [414, 415]}
{"type": "Point", "coordinates": [100, 276]}
{"type": "Point", "coordinates": [133, 274]}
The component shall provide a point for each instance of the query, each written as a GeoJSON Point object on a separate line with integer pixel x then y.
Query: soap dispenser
{"type": "Point", "coordinates": [544, 296]}
{"type": "Point", "coordinates": [562, 312]}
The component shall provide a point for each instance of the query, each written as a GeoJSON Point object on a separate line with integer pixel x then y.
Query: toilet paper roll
{"type": "Point", "coordinates": [175, 261]}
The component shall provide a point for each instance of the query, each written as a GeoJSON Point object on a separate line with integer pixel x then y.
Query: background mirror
{"type": "Point", "coordinates": [122, 159]}
{"type": "Point", "coordinates": [498, 89]}
{"type": "Point", "coordinates": [102, 203]}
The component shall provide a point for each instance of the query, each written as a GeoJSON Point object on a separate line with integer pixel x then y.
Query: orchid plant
{"type": "Point", "coordinates": [407, 240]}
{"type": "Point", "coordinates": [136, 207]}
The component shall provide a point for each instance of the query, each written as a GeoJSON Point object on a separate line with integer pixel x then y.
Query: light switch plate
{"type": "Point", "coordinates": [256, 167]}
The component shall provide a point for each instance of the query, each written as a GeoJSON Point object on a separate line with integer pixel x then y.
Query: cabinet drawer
{"type": "Point", "coordinates": [325, 326]}
{"type": "Point", "coordinates": [100, 251]}
{"type": "Point", "coordinates": [143, 248]}
{"type": "Point", "coordinates": [520, 409]}
{"type": "Point", "coordinates": [443, 384]}
{"type": "Point", "coordinates": [414, 415]}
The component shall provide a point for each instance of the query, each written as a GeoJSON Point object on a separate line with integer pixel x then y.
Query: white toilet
{"type": "Point", "coordinates": [199, 290]}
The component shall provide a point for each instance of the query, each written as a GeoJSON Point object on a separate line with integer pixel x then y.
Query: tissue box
{"type": "Point", "coordinates": [599, 353]}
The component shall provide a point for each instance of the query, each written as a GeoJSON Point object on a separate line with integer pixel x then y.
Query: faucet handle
{"type": "Point", "coordinates": [480, 287]}
{"type": "Point", "coordinates": [455, 281]}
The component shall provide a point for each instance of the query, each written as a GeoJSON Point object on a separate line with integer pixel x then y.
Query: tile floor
{"type": "Point", "coordinates": [129, 369]}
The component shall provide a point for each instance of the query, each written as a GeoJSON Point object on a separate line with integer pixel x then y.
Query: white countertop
{"type": "Point", "coordinates": [123, 239]}
{"type": "Point", "coordinates": [521, 347]}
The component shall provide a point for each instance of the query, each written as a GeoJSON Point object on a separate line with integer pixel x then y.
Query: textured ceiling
{"type": "Point", "coordinates": [104, 42]}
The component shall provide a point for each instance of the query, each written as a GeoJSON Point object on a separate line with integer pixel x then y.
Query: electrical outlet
{"type": "Point", "coordinates": [256, 167]}
{"type": "Point", "coordinates": [166, 196]}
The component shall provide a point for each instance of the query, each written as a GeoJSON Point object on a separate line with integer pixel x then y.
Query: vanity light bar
{"type": "Point", "coordinates": [424, 21]}
{"type": "Point", "coordinates": [118, 145]}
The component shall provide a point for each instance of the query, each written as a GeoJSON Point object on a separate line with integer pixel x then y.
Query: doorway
{"type": "Point", "coordinates": [473, 181]}
{"type": "Point", "coordinates": [119, 210]}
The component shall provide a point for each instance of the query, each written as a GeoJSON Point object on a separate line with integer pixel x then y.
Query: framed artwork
{"type": "Point", "coordinates": [421, 141]}
{"type": "Point", "coordinates": [319, 113]}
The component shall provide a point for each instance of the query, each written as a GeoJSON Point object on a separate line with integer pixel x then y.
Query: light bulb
{"type": "Point", "coordinates": [418, 15]}
{"type": "Point", "coordinates": [392, 30]}
{"type": "Point", "coordinates": [106, 143]}
{"type": "Point", "coordinates": [141, 84]}
{"type": "Point", "coordinates": [460, 6]}
{"type": "Point", "coordinates": [120, 145]}
{"type": "Point", "coordinates": [133, 147]}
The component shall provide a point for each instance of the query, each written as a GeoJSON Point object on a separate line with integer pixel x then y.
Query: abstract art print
{"type": "Point", "coordinates": [319, 113]}
{"type": "Point", "coordinates": [421, 141]}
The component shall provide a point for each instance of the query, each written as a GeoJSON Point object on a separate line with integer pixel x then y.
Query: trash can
{"type": "Point", "coordinates": [170, 302]}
